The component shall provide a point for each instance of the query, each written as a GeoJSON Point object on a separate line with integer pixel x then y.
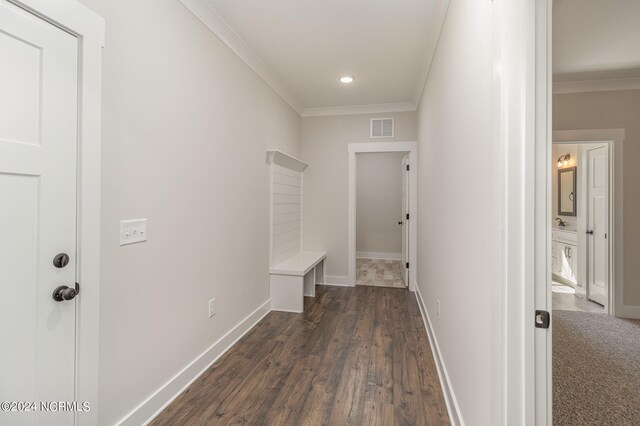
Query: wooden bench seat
{"type": "Point", "coordinates": [295, 278]}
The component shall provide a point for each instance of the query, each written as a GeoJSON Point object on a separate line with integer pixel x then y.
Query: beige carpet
{"type": "Point", "coordinates": [596, 369]}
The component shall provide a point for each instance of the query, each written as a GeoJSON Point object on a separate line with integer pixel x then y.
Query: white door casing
{"type": "Point", "coordinates": [411, 148]}
{"type": "Point", "coordinates": [38, 152]}
{"type": "Point", "coordinates": [405, 221]}
{"type": "Point", "coordinates": [598, 223]}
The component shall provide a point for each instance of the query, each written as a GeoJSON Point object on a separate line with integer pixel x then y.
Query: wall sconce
{"type": "Point", "coordinates": [564, 160]}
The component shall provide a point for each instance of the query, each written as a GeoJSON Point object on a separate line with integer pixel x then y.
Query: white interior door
{"type": "Point", "coordinates": [38, 150]}
{"type": "Point", "coordinates": [598, 225]}
{"type": "Point", "coordinates": [405, 221]}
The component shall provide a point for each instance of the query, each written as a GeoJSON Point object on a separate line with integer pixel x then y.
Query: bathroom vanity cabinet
{"type": "Point", "coordinates": [564, 253]}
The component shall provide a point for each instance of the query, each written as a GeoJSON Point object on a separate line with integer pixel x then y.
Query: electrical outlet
{"type": "Point", "coordinates": [212, 307]}
{"type": "Point", "coordinates": [438, 308]}
{"type": "Point", "coordinates": [133, 231]}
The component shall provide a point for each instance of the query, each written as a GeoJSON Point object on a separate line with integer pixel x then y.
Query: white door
{"type": "Point", "coordinates": [557, 251]}
{"type": "Point", "coordinates": [405, 220]}
{"type": "Point", "coordinates": [38, 149]}
{"type": "Point", "coordinates": [598, 225]}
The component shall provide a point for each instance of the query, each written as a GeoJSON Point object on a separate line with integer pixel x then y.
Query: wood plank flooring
{"type": "Point", "coordinates": [357, 356]}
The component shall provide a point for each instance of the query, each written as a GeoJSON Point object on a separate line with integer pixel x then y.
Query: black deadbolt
{"type": "Point", "coordinates": [61, 260]}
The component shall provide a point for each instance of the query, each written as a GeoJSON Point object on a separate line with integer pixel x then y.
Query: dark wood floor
{"type": "Point", "coordinates": [357, 356]}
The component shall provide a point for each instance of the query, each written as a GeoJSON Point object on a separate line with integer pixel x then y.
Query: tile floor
{"type": "Point", "coordinates": [379, 273]}
{"type": "Point", "coordinates": [565, 299]}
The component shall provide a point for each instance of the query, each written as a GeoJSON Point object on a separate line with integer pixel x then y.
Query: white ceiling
{"type": "Point", "coordinates": [308, 44]}
{"type": "Point", "coordinates": [596, 39]}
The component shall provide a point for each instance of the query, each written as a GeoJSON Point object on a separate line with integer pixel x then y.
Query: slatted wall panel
{"type": "Point", "coordinates": [287, 213]}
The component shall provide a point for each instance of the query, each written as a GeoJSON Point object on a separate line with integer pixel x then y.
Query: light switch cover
{"type": "Point", "coordinates": [133, 231]}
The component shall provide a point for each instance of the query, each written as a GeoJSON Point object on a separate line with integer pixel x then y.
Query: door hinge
{"type": "Point", "coordinates": [407, 216]}
{"type": "Point", "coordinates": [407, 167]}
{"type": "Point", "coordinates": [407, 265]}
{"type": "Point", "coordinates": [542, 319]}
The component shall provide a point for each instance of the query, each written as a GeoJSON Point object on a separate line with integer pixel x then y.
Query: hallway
{"type": "Point", "coordinates": [356, 356]}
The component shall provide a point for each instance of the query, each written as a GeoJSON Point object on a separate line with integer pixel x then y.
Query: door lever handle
{"type": "Point", "coordinates": [590, 232]}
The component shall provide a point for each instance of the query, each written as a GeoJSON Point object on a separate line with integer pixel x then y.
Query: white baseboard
{"type": "Point", "coordinates": [378, 255]}
{"type": "Point", "coordinates": [629, 312]}
{"type": "Point", "coordinates": [337, 280]}
{"type": "Point", "coordinates": [449, 396]}
{"type": "Point", "coordinates": [161, 398]}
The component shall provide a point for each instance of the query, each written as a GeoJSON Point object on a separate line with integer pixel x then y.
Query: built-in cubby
{"type": "Point", "coordinates": [293, 273]}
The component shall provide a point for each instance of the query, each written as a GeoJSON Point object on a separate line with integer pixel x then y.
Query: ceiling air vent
{"type": "Point", "coordinates": [382, 127]}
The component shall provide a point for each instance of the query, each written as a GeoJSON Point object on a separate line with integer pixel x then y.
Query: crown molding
{"type": "Point", "coordinates": [438, 16]}
{"type": "Point", "coordinates": [202, 10]}
{"type": "Point", "coordinates": [359, 109]}
{"type": "Point", "coordinates": [561, 87]}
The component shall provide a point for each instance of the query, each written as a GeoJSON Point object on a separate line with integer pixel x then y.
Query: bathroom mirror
{"type": "Point", "coordinates": [567, 191]}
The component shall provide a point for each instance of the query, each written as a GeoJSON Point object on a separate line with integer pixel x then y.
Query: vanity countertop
{"type": "Point", "coordinates": [564, 228]}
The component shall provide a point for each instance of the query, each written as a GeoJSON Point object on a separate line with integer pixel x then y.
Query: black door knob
{"type": "Point", "coordinates": [63, 293]}
{"type": "Point", "coordinates": [590, 232]}
{"type": "Point", "coordinates": [400, 223]}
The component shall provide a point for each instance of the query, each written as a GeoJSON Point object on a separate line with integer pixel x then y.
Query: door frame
{"type": "Point", "coordinates": [614, 140]}
{"type": "Point", "coordinates": [88, 27]}
{"type": "Point", "coordinates": [521, 110]}
{"type": "Point", "coordinates": [406, 228]}
{"type": "Point", "coordinates": [410, 148]}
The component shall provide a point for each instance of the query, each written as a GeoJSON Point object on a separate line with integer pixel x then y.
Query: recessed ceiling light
{"type": "Point", "coordinates": [346, 79]}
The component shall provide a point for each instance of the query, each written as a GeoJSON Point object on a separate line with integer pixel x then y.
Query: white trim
{"type": "Point", "coordinates": [378, 255]}
{"type": "Point", "coordinates": [537, 233]}
{"type": "Point", "coordinates": [285, 160]}
{"type": "Point", "coordinates": [455, 415]}
{"type": "Point", "coordinates": [336, 280]}
{"type": "Point", "coordinates": [152, 406]}
{"type": "Point", "coordinates": [359, 109]}
{"type": "Point", "coordinates": [202, 10]}
{"type": "Point", "coordinates": [88, 27]}
{"type": "Point", "coordinates": [520, 119]}
{"type": "Point", "coordinates": [411, 148]}
{"type": "Point", "coordinates": [383, 147]}
{"type": "Point", "coordinates": [560, 87]}
{"type": "Point", "coordinates": [614, 140]}
{"type": "Point", "coordinates": [438, 16]}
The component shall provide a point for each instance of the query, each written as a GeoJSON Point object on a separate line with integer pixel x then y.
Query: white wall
{"type": "Point", "coordinates": [379, 202]}
{"type": "Point", "coordinates": [185, 128]}
{"type": "Point", "coordinates": [458, 262]}
{"type": "Point", "coordinates": [324, 146]}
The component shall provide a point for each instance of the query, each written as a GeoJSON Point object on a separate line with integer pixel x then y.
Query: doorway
{"type": "Point", "coordinates": [582, 225]}
{"type": "Point", "coordinates": [589, 351]}
{"type": "Point", "coordinates": [381, 221]}
{"type": "Point", "coordinates": [50, 178]}
{"type": "Point", "coordinates": [406, 152]}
